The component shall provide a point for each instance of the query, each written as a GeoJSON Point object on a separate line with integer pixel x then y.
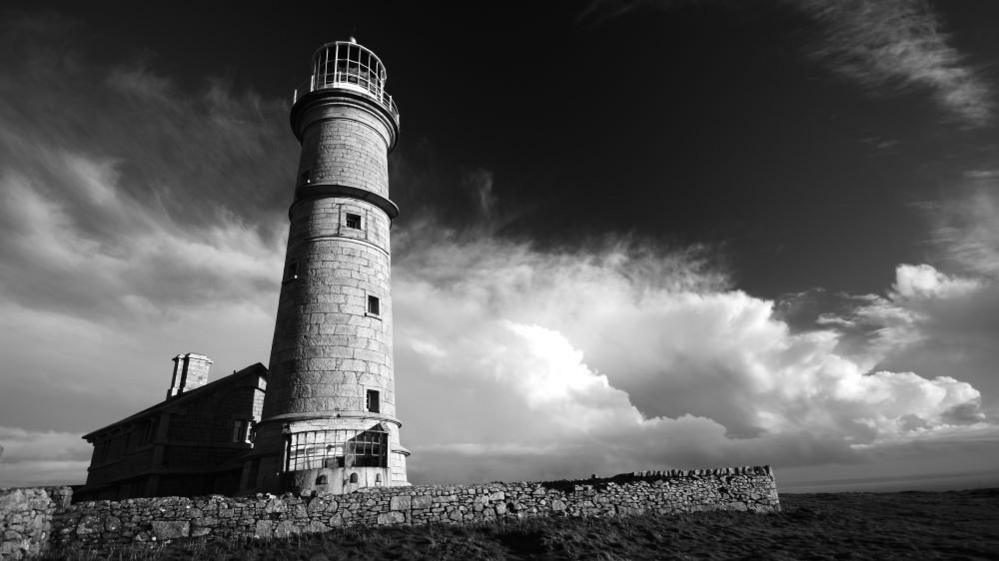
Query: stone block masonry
{"type": "Point", "coordinates": [38, 518]}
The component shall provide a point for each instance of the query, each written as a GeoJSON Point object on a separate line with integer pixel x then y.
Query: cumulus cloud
{"type": "Point", "coordinates": [924, 282]}
{"type": "Point", "coordinates": [928, 321]}
{"type": "Point", "coordinates": [955, 306]}
{"type": "Point", "coordinates": [598, 360]}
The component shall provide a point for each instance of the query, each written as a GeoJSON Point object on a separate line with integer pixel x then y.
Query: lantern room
{"type": "Point", "coordinates": [350, 66]}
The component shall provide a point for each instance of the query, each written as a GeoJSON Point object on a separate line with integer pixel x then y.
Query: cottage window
{"type": "Point", "coordinates": [148, 431]}
{"type": "Point", "coordinates": [101, 451]}
{"type": "Point", "coordinates": [239, 430]}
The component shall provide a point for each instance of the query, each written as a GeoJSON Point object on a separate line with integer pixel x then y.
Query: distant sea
{"type": "Point", "coordinates": [931, 482]}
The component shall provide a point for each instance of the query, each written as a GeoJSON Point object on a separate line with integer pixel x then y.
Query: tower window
{"type": "Point", "coordinates": [353, 477]}
{"type": "Point", "coordinates": [291, 273]}
{"type": "Point", "coordinates": [306, 176]}
{"type": "Point", "coordinates": [372, 401]}
{"type": "Point", "coordinates": [321, 480]}
{"type": "Point", "coordinates": [354, 221]}
{"type": "Point", "coordinates": [374, 307]}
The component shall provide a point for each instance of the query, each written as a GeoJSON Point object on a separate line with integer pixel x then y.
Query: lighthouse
{"type": "Point", "coordinates": [329, 413]}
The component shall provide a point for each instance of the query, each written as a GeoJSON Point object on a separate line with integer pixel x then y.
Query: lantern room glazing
{"type": "Point", "coordinates": [350, 66]}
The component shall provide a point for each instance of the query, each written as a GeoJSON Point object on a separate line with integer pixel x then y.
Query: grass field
{"type": "Point", "coordinates": [909, 525]}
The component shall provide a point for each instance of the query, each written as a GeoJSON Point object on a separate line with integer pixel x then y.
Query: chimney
{"type": "Point", "coordinates": [190, 372]}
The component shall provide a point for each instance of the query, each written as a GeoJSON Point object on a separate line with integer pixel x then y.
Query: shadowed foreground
{"type": "Point", "coordinates": [912, 525]}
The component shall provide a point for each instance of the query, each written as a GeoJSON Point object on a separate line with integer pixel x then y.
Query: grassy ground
{"type": "Point", "coordinates": [948, 525]}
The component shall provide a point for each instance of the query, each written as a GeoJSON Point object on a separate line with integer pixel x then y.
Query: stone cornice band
{"type": "Point", "coordinates": [314, 191]}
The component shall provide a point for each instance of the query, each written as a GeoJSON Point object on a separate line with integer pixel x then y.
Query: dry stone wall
{"type": "Point", "coordinates": [26, 519]}
{"type": "Point", "coordinates": [102, 526]}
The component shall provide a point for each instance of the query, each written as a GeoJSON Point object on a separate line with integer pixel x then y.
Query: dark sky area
{"type": "Point", "coordinates": [707, 122]}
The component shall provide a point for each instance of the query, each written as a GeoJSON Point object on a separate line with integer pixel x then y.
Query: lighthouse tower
{"type": "Point", "coordinates": [328, 418]}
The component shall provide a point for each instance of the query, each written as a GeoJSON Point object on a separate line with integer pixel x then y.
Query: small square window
{"type": "Point", "coordinates": [354, 221]}
{"type": "Point", "coordinates": [374, 307]}
{"type": "Point", "coordinates": [372, 401]}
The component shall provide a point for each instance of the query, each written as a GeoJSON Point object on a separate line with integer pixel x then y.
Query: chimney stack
{"type": "Point", "coordinates": [190, 371]}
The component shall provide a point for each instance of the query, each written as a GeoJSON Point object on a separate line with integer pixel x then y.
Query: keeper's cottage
{"type": "Point", "coordinates": [322, 416]}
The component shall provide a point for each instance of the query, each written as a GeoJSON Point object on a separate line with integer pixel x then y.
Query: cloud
{"type": "Point", "coordinates": [125, 258]}
{"type": "Point", "coordinates": [480, 181]}
{"type": "Point", "coordinates": [966, 226]}
{"type": "Point", "coordinates": [140, 220]}
{"type": "Point", "coordinates": [124, 195]}
{"type": "Point", "coordinates": [611, 357]}
{"type": "Point", "coordinates": [885, 46]}
{"type": "Point", "coordinates": [924, 282]}
{"type": "Point", "coordinates": [137, 220]}
{"type": "Point", "coordinates": [42, 457]}
{"type": "Point", "coordinates": [928, 321]}
{"type": "Point", "coordinates": [897, 45]}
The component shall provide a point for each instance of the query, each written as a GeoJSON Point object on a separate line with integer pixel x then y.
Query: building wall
{"type": "Point", "coordinates": [183, 447]}
{"type": "Point", "coordinates": [103, 525]}
{"type": "Point", "coordinates": [209, 418]}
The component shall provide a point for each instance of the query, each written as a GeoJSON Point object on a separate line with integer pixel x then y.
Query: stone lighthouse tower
{"type": "Point", "coordinates": [328, 418]}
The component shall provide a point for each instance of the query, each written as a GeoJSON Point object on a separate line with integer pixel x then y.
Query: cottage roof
{"type": "Point", "coordinates": [256, 369]}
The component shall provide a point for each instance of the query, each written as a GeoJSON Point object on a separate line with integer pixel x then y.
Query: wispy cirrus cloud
{"type": "Point", "coordinates": [896, 45]}
{"type": "Point", "coordinates": [137, 219]}
{"type": "Point", "coordinates": [966, 225]}
{"type": "Point", "coordinates": [140, 192]}
{"type": "Point", "coordinates": [884, 46]}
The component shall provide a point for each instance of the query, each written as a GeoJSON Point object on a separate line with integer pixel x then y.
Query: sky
{"type": "Point", "coordinates": [634, 234]}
